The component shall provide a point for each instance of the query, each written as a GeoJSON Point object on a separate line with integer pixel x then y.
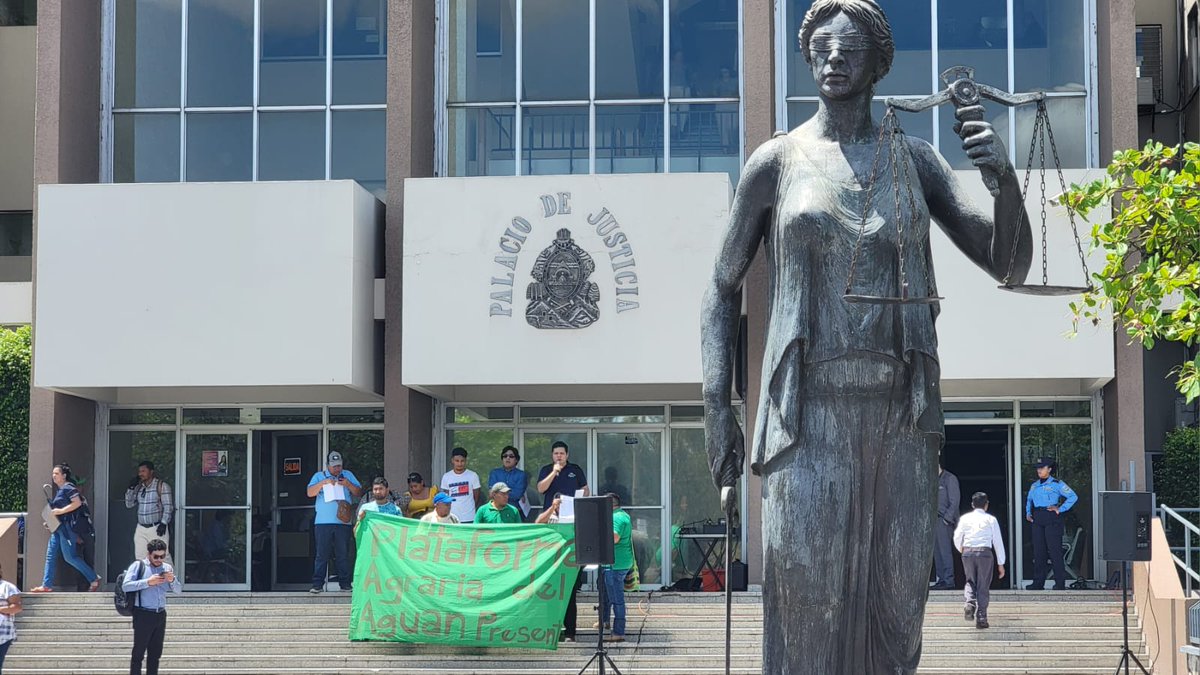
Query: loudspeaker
{"type": "Point", "coordinates": [593, 531]}
{"type": "Point", "coordinates": [1125, 525]}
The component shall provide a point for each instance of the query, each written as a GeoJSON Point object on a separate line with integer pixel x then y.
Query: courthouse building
{"type": "Point", "coordinates": [266, 230]}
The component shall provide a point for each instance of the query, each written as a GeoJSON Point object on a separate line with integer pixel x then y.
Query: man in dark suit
{"type": "Point", "coordinates": [943, 547]}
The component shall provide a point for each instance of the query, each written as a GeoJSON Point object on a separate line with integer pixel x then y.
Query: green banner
{"type": "Point", "coordinates": [480, 585]}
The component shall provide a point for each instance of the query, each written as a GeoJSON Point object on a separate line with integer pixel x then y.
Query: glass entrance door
{"type": "Point", "coordinates": [630, 465]}
{"type": "Point", "coordinates": [216, 499]}
{"type": "Point", "coordinates": [295, 455]}
{"type": "Point", "coordinates": [535, 453]}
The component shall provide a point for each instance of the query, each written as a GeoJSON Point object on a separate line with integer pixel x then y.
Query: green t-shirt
{"type": "Point", "coordinates": [490, 514]}
{"type": "Point", "coordinates": [623, 551]}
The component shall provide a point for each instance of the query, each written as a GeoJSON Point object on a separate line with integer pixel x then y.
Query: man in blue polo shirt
{"type": "Point", "coordinates": [561, 477]}
{"type": "Point", "coordinates": [330, 488]}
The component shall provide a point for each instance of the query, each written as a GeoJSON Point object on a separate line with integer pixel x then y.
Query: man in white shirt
{"type": "Point", "coordinates": [441, 511]}
{"type": "Point", "coordinates": [463, 486]}
{"type": "Point", "coordinates": [977, 537]}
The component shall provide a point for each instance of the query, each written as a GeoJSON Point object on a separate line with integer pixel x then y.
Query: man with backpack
{"type": "Point", "coordinates": [155, 506]}
{"type": "Point", "coordinates": [146, 584]}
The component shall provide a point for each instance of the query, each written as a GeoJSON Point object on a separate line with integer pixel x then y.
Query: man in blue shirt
{"type": "Point", "coordinates": [513, 476]}
{"type": "Point", "coordinates": [151, 582]}
{"type": "Point", "coordinates": [562, 477]}
{"type": "Point", "coordinates": [1049, 498]}
{"type": "Point", "coordinates": [330, 488]}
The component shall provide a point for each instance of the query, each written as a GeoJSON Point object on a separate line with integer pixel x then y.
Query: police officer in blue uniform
{"type": "Point", "coordinates": [1049, 498]}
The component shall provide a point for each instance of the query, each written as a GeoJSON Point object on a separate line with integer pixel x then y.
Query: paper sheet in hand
{"type": "Point", "coordinates": [523, 504]}
{"type": "Point", "coordinates": [566, 509]}
{"type": "Point", "coordinates": [50, 518]}
{"type": "Point", "coordinates": [334, 493]}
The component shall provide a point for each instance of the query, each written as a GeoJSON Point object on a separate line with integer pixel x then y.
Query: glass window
{"type": "Point", "coordinates": [215, 552]}
{"type": "Point", "coordinates": [1068, 118]}
{"type": "Point", "coordinates": [220, 66]}
{"type": "Point", "coordinates": [975, 34]}
{"type": "Point", "coordinates": [629, 464]}
{"type": "Point", "coordinates": [483, 448]}
{"type": "Point", "coordinates": [291, 146]}
{"type": "Point", "coordinates": [629, 51]}
{"type": "Point", "coordinates": [359, 147]}
{"type": "Point", "coordinates": [647, 543]}
{"type": "Point", "coordinates": [704, 49]}
{"type": "Point", "coordinates": [18, 12]}
{"type": "Point", "coordinates": [126, 449]}
{"type": "Point", "coordinates": [362, 452]}
{"type": "Point", "coordinates": [977, 410]}
{"type": "Point", "coordinates": [1049, 39]}
{"type": "Point", "coordinates": [554, 140]}
{"type": "Point", "coordinates": [216, 469]}
{"type": "Point", "coordinates": [705, 137]}
{"type": "Point", "coordinates": [372, 415]}
{"type": "Point", "coordinates": [912, 67]}
{"type": "Point", "coordinates": [472, 414]}
{"type": "Point", "coordinates": [219, 147]}
{"type": "Point", "coordinates": [142, 416]}
{"type": "Point", "coordinates": [694, 500]}
{"type": "Point", "coordinates": [212, 416]}
{"type": "Point", "coordinates": [16, 233]}
{"type": "Point", "coordinates": [482, 52]}
{"type": "Point", "coordinates": [1070, 446]}
{"type": "Point", "coordinates": [147, 53]}
{"type": "Point", "coordinates": [480, 141]}
{"type": "Point", "coordinates": [592, 415]}
{"type": "Point", "coordinates": [359, 51]}
{"type": "Point", "coordinates": [290, 415]}
{"type": "Point", "coordinates": [629, 139]}
{"type": "Point", "coordinates": [145, 147]}
{"type": "Point", "coordinates": [555, 53]}
{"type": "Point", "coordinates": [292, 65]}
{"type": "Point", "coordinates": [1081, 408]}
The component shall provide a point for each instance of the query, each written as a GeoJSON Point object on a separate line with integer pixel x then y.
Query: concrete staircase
{"type": "Point", "coordinates": [1066, 633]}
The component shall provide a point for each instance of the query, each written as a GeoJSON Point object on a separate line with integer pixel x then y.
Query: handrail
{"type": "Point", "coordinates": [1189, 529]}
{"type": "Point", "coordinates": [20, 572]}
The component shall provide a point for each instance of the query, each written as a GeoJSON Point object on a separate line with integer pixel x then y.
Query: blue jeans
{"type": "Point", "coordinates": [63, 539]}
{"type": "Point", "coordinates": [614, 600]}
{"type": "Point", "coordinates": [333, 541]}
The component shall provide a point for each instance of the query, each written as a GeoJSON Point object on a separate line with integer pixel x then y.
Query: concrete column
{"type": "Point", "coordinates": [758, 87]}
{"type": "Point", "coordinates": [66, 150]}
{"type": "Point", "coordinates": [408, 415]}
{"type": "Point", "coordinates": [1124, 420]}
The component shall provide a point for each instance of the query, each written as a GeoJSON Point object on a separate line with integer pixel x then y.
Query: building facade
{"type": "Point", "coordinates": [391, 228]}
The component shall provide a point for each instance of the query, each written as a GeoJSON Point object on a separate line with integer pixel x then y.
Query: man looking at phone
{"type": "Point", "coordinates": [333, 527]}
{"type": "Point", "coordinates": [156, 579]}
{"type": "Point", "coordinates": [562, 477]}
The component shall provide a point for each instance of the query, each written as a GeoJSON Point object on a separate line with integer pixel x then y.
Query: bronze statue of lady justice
{"type": "Point", "coordinates": [849, 421]}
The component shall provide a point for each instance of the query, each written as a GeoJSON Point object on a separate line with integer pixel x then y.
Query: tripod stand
{"type": "Point", "coordinates": [601, 654]}
{"type": "Point", "coordinates": [1126, 653]}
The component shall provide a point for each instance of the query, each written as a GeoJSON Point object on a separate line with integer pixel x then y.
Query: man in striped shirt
{"type": "Point", "coordinates": [977, 537]}
{"type": "Point", "coordinates": [155, 506]}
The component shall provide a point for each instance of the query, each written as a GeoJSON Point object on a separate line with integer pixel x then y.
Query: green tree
{"type": "Point", "coordinates": [15, 350]}
{"type": "Point", "coordinates": [1152, 246]}
{"type": "Point", "coordinates": [1176, 480]}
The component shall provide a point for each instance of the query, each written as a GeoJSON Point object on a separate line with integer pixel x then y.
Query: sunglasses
{"type": "Point", "coordinates": [510, 456]}
{"type": "Point", "coordinates": [159, 556]}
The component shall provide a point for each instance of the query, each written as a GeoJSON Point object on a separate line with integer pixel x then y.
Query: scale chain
{"type": "Point", "coordinates": [1062, 181]}
{"type": "Point", "coordinates": [1012, 258]}
{"type": "Point", "coordinates": [899, 220]}
{"type": "Point", "coordinates": [1041, 138]}
{"type": "Point", "coordinates": [912, 214]}
{"type": "Point", "coordinates": [889, 116]}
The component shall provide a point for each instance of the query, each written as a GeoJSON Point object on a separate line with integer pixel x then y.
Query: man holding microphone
{"type": "Point", "coordinates": [562, 477]}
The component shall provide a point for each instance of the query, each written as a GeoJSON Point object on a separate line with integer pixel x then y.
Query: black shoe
{"type": "Point", "coordinates": [347, 589]}
{"type": "Point", "coordinates": [969, 612]}
{"type": "Point", "coordinates": [566, 638]}
{"type": "Point", "coordinates": [942, 587]}
{"type": "Point", "coordinates": [981, 624]}
{"type": "Point", "coordinates": [1032, 587]}
{"type": "Point", "coordinates": [1057, 587]}
{"type": "Point", "coordinates": [316, 589]}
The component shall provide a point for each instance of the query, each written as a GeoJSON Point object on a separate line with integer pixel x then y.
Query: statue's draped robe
{"type": "Point", "coordinates": [848, 426]}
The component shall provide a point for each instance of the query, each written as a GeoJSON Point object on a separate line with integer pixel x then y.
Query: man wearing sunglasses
{"type": "Point", "coordinates": [513, 476]}
{"type": "Point", "coordinates": [151, 579]}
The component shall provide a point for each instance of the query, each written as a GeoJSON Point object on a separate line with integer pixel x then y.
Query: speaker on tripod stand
{"type": "Point", "coordinates": [1125, 537]}
{"type": "Point", "coordinates": [594, 546]}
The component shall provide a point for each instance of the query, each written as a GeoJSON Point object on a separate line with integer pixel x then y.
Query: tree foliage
{"type": "Point", "coordinates": [14, 416]}
{"type": "Point", "coordinates": [1152, 246]}
{"type": "Point", "coordinates": [1176, 481]}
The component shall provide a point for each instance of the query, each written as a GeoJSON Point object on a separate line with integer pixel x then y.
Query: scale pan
{"type": "Point", "coordinates": [884, 300]}
{"type": "Point", "coordinates": [1044, 289]}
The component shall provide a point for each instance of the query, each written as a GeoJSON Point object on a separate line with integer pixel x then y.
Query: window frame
{"type": "Point", "coordinates": [108, 109]}
{"type": "Point", "coordinates": [443, 105]}
{"type": "Point", "coordinates": [783, 41]}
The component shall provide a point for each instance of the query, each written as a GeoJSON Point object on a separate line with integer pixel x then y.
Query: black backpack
{"type": "Point", "coordinates": [124, 600]}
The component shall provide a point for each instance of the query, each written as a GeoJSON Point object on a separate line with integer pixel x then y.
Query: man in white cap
{"type": "Point", "coordinates": [333, 490]}
{"type": "Point", "coordinates": [498, 510]}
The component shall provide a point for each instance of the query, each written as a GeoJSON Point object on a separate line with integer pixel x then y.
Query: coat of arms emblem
{"type": "Point", "coordinates": [561, 295]}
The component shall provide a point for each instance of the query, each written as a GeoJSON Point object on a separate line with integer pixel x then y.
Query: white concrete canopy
{"type": "Point", "coordinates": [208, 292]}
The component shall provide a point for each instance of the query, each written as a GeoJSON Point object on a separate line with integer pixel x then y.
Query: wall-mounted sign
{"type": "Point", "coordinates": [250, 415]}
{"type": "Point", "coordinates": [215, 464]}
{"type": "Point", "coordinates": [291, 466]}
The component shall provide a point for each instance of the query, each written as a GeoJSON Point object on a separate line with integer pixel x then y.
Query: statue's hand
{"type": "Point", "coordinates": [981, 143]}
{"type": "Point", "coordinates": [726, 447]}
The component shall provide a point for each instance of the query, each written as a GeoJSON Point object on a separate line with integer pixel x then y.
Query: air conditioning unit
{"type": "Point", "coordinates": [1145, 91]}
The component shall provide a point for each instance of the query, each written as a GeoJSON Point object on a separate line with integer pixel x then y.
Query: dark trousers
{"type": "Point", "coordinates": [333, 541]}
{"type": "Point", "coordinates": [943, 552]}
{"type": "Point", "coordinates": [4, 650]}
{"type": "Point", "coordinates": [570, 619]}
{"type": "Point", "coordinates": [978, 567]}
{"type": "Point", "coordinates": [149, 629]}
{"type": "Point", "coordinates": [1047, 542]}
